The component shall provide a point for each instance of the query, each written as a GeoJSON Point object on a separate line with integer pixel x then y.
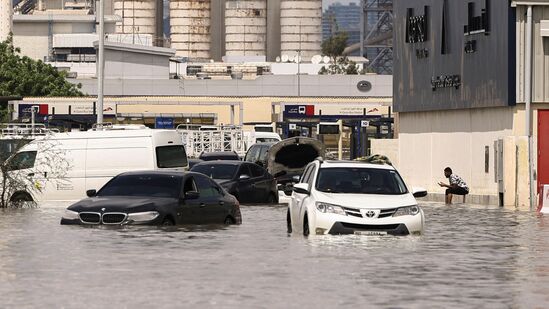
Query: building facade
{"type": "Point", "coordinates": [342, 18]}
{"type": "Point", "coordinates": [461, 103]}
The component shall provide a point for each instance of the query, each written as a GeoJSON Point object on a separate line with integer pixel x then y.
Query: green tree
{"type": "Point", "coordinates": [334, 46]}
{"type": "Point", "coordinates": [23, 76]}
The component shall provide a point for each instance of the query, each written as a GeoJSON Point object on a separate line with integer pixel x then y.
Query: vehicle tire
{"type": "Point", "coordinates": [168, 221]}
{"type": "Point", "coordinates": [228, 221]}
{"type": "Point", "coordinates": [21, 197]}
{"type": "Point", "coordinates": [289, 221]}
{"type": "Point", "coordinates": [306, 226]}
{"type": "Point", "coordinates": [271, 199]}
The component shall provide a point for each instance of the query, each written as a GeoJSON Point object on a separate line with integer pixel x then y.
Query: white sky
{"type": "Point", "coordinates": [326, 3]}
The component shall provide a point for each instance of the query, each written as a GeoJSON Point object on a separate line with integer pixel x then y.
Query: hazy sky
{"type": "Point", "coordinates": [326, 3]}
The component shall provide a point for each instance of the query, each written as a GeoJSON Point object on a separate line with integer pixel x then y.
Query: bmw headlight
{"type": "Point", "coordinates": [330, 208]}
{"type": "Point", "coordinates": [143, 216]}
{"type": "Point", "coordinates": [70, 215]}
{"type": "Point", "coordinates": [407, 211]}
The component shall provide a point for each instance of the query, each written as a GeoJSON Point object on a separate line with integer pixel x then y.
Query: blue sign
{"type": "Point", "coordinates": [163, 123]}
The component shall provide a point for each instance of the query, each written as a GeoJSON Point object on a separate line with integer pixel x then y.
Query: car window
{"type": "Point", "coordinates": [257, 171]}
{"type": "Point", "coordinates": [266, 140]}
{"type": "Point", "coordinates": [171, 156]}
{"type": "Point", "coordinates": [263, 153]}
{"type": "Point", "coordinates": [204, 187]}
{"type": "Point", "coordinates": [244, 170]}
{"type": "Point", "coordinates": [311, 176]}
{"type": "Point", "coordinates": [306, 174]}
{"type": "Point", "coordinates": [189, 185]}
{"type": "Point", "coordinates": [143, 185]}
{"type": "Point", "coordinates": [218, 192]}
{"type": "Point", "coordinates": [360, 180]}
{"type": "Point", "coordinates": [252, 154]}
{"type": "Point", "coordinates": [22, 160]}
{"type": "Point", "coordinates": [216, 171]}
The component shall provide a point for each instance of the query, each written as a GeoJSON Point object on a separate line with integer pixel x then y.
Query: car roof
{"type": "Point", "coordinates": [359, 164]}
{"type": "Point", "coordinates": [222, 162]}
{"type": "Point", "coordinates": [154, 173]}
{"type": "Point", "coordinates": [218, 153]}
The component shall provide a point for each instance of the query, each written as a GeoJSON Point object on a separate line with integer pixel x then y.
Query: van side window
{"type": "Point", "coordinates": [22, 160]}
{"type": "Point", "coordinates": [171, 156]}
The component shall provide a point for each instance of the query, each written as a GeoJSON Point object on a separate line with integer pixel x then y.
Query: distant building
{"type": "Point", "coordinates": [338, 18]}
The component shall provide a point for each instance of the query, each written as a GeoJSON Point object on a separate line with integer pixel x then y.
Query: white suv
{"type": "Point", "coordinates": [350, 197]}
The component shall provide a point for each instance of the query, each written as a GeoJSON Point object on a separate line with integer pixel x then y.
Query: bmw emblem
{"type": "Point", "coordinates": [102, 209]}
{"type": "Point", "coordinates": [370, 213]}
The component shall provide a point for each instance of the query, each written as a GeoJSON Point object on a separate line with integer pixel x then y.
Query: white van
{"type": "Point", "coordinates": [254, 137]}
{"type": "Point", "coordinates": [62, 166]}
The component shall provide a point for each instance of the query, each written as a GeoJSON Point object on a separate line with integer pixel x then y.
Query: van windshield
{"type": "Point", "coordinates": [171, 156]}
{"type": "Point", "coordinates": [143, 185]}
{"type": "Point", "coordinates": [360, 181]}
{"type": "Point", "coordinates": [22, 160]}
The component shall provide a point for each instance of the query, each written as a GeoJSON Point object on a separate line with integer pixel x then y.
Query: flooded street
{"type": "Point", "coordinates": [469, 256]}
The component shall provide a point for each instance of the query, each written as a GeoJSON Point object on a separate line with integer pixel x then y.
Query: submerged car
{"type": "Point", "coordinates": [350, 197]}
{"type": "Point", "coordinates": [286, 160]}
{"type": "Point", "coordinates": [156, 198]}
{"type": "Point", "coordinates": [248, 182]}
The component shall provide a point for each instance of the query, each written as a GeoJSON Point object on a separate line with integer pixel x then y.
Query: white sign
{"type": "Point", "coordinates": [293, 126]}
{"type": "Point", "coordinates": [364, 123]}
{"type": "Point", "coordinates": [545, 200]}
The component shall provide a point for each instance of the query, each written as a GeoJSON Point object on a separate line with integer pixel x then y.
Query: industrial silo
{"type": "Point", "coordinates": [301, 27]}
{"type": "Point", "coordinates": [245, 27]}
{"type": "Point", "coordinates": [190, 27]}
{"type": "Point", "coordinates": [138, 16]}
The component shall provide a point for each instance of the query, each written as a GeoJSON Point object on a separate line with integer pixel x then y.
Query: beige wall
{"type": "Point", "coordinates": [428, 142]}
{"type": "Point", "coordinates": [386, 147]}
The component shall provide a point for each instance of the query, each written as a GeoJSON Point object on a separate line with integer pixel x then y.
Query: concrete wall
{"type": "Point", "coordinates": [388, 148]}
{"type": "Point", "coordinates": [130, 65]}
{"type": "Point", "coordinates": [430, 141]}
{"type": "Point", "coordinates": [267, 85]}
{"type": "Point", "coordinates": [540, 74]}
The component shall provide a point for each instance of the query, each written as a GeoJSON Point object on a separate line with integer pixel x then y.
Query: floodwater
{"type": "Point", "coordinates": [469, 257]}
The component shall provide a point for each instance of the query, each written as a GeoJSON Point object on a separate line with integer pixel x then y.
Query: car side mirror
{"type": "Point", "coordinates": [419, 192]}
{"type": "Point", "coordinates": [191, 195]}
{"type": "Point", "coordinates": [296, 178]}
{"type": "Point", "coordinates": [301, 188]}
{"type": "Point", "coordinates": [244, 177]}
{"type": "Point", "coordinates": [91, 193]}
{"type": "Point", "coordinates": [281, 173]}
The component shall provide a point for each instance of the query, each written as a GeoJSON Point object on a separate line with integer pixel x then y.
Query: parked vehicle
{"type": "Point", "coordinates": [346, 197]}
{"type": "Point", "coordinates": [218, 155]}
{"type": "Point", "coordinates": [193, 162]}
{"type": "Point", "coordinates": [248, 182]}
{"type": "Point", "coordinates": [91, 159]}
{"type": "Point", "coordinates": [156, 198]}
{"type": "Point", "coordinates": [286, 160]}
{"type": "Point", "coordinates": [254, 137]}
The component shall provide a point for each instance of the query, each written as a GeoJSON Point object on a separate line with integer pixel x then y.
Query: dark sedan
{"type": "Point", "coordinates": [218, 155]}
{"type": "Point", "coordinates": [156, 198]}
{"type": "Point", "coordinates": [248, 182]}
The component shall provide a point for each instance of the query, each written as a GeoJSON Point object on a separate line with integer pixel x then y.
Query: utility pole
{"type": "Point", "coordinates": [299, 64]}
{"type": "Point", "coordinates": [101, 61]}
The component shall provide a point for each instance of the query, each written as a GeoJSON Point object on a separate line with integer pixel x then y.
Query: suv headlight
{"type": "Point", "coordinates": [143, 216]}
{"type": "Point", "coordinates": [407, 211]}
{"type": "Point", "coordinates": [70, 215]}
{"type": "Point", "coordinates": [330, 208]}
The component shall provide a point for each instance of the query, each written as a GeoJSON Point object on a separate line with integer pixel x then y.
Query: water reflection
{"type": "Point", "coordinates": [469, 256]}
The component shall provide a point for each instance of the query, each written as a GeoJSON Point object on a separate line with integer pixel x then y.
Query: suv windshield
{"type": "Point", "coordinates": [216, 171]}
{"type": "Point", "coordinates": [171, 156]}
{"type": "Point", "coordinates": [143, 185]}
{"type": "Point", "coordinates": [359, 180]}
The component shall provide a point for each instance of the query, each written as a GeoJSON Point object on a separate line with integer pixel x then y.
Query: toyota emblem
{"type": "Point", "coordinates": [370, 213]}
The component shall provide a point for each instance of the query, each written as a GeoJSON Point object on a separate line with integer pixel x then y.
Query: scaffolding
{"type": "Point", "coordinates": [377, 34]}
{"type": "Point", "coordinates": [199, 139]}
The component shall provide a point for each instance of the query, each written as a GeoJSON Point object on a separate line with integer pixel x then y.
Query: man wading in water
{"type": "Point", "coordinates": [456, 186]}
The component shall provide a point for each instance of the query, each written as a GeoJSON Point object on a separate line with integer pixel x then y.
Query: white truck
{"type": "Point", "coordinates": [62, 166]}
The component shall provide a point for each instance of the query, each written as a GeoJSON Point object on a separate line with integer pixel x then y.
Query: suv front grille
{"type": "Point", "coordinates": [387, 212]}
{"type": "Point", "coordinates": [90, 217]}
{"type": "Point", "coordinates": [114, 218]}
{"type": "Point", "coordinates": [352, 212]}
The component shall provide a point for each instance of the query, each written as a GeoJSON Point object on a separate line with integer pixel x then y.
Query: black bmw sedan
{"type": "Point", "coordinates": [156, 198]}
{"type": "Point", "coordinates": [248, 182]}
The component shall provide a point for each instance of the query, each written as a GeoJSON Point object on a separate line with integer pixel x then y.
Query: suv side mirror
{"type": "Point", "coordinates": [91, 193]}
{"type": "Point", "coordinates": [302, 188]}
{"type": "Point", "coordinates": [419, 192]}
{"type": "Point", "coordinates": [192, 195]}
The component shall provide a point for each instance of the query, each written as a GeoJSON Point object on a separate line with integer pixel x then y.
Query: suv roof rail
{"type": "Point", "coordinates": [375, 159]}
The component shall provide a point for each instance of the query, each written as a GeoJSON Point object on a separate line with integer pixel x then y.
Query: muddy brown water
{"type": "Point", "coordinates": [468, 257]}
